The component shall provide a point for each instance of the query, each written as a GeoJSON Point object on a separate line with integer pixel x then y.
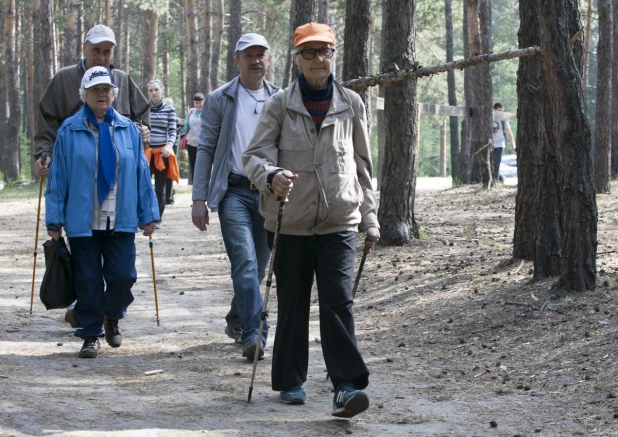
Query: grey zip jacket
{"type": "Point", "coordinates": [213, 163]}
{"type": "Point", "coordinates": [333, 192]}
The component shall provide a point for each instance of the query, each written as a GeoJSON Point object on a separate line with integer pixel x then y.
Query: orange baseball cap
{"type": "Point", "coordinates": [311, 32]}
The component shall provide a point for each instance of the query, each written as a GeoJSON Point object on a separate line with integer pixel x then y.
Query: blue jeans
{"type": "Point", "coordinates": [246, 244]}
{"type": "Point", "coordinates": [96, 298]}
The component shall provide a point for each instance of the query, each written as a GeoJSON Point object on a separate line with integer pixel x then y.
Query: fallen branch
{"type": "Point", "coordinates": [398, 76]}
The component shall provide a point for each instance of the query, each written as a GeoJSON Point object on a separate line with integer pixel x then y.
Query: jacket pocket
{"type": "Point", "coordinates": [342, 158]}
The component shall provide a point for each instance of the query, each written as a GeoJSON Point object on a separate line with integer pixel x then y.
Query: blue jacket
{"type": "Point", "coordinates": [213, 162]}
{"type": "Point", "coordinates": [69, 197]}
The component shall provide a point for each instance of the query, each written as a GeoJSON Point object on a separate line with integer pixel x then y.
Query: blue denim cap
{"type": "Point", "coordinates": [250, 40]}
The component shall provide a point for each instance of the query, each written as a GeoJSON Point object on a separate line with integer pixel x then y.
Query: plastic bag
{"type": "Point", "coordinates": [57, 289]}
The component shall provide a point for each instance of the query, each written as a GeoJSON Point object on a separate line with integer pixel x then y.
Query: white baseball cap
{"type": "Point", "coordinates": [101, 33]}
{"type": "Point", "coordinates": [250, 40]}
{"type": "Point", "coordinates": [97, 76]}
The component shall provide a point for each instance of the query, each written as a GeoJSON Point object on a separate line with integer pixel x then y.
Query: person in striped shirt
{"type": "Point", "coordinates": [160, 153]}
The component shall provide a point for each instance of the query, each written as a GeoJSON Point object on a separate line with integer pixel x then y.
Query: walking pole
{"type": "Point", "coordinates": [154, 278]}
{"type": "Point", "coordinates": [36, 237]}
{"type": "Point", "coordinates": [366, 251]}
{"type": "Point", "coordinates": [269, 278]}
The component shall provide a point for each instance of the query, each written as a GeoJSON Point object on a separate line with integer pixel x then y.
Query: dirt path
{"type": "Point", "coordinates": [456, 336]}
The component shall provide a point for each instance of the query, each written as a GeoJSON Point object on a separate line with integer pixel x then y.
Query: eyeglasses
{"type": "Point", "coordinates": [325, 53]}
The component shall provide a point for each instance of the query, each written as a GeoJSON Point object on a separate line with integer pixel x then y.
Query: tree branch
{"type": "Point", "coordinates": [398, 76]}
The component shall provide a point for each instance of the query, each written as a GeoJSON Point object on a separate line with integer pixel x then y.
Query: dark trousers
{"type": "Point", "coordinates": [192, 152]}
{"type": "Point", "coordinates": [103, 288]}
{"type": "Point", "coordinates": [169, 191]}
{"type": "Point", "coordinates": [160, 183]}
{"type": "Point", "coordinates": [331, 258]}
{"type": "Point", "coordinates": [497, 160]}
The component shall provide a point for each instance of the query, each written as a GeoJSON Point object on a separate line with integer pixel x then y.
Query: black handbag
{"type": "Point", "coordinates": [57, 290]}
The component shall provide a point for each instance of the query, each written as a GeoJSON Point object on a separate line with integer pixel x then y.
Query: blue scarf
{"type": "Point", "coordinates": [106, 172]}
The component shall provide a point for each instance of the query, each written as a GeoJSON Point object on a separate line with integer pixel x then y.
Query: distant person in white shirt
{"type": "Point", "coordinates": [499, 139]}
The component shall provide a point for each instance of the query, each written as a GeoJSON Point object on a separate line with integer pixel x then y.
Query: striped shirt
{"type": "Point", "coordinates": [162, 124]}
{"type": "Point", "coordinates": [316, 100]}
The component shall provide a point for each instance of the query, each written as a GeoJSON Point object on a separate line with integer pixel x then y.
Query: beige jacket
{"type": "Point", "coordinates": [333, 192]}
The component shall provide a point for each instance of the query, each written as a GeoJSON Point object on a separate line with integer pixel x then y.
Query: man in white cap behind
{"type": "Point", "coordinates": [229, 117]}
{"type": "Point", "coordinates": [61, 100]}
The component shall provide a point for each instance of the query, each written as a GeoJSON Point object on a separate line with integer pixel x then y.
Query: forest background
{"type": "Point", "coordinates": [185, 44]}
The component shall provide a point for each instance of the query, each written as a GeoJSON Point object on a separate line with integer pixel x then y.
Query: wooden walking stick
{"type": "Point", "coordinates": [36, 237]}
{"type": "Point", "coordinates": [154, 278]}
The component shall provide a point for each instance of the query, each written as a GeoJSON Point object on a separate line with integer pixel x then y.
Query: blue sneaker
{"type": "Point", "coordinates": [349, 401]}
{"type": "Point", "coordinates": [294, 396]}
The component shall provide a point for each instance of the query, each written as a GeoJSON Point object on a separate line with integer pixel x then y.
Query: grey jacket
{"type": "Point", "coordinates": [213, 163]}
{"type": "Point", "coordinates": [333, 192]}
{"type": "Point", "coordinates": [61, 100]}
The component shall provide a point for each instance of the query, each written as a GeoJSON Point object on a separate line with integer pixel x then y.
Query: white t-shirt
{"type": "Point", "coordinates": [248, 108]}
{"type": "Point", "coordinates": [499, 137]}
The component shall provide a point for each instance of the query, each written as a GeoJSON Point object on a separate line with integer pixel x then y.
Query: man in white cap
{"type": "Point", "coordinates": [60, 99]}
{"type": "Point", "coordinates": [229, 117]}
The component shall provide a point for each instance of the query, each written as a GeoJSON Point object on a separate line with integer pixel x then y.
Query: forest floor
{"type": "Point", "coordinates": [458, 338]}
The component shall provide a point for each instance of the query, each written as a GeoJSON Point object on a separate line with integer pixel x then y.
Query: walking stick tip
{"type": "Point", "coordinates": [250, 392]}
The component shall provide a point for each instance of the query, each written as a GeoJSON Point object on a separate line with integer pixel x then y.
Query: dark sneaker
{"type": "Point", "coordinates": [235, 333]}
{"type": "Point", "coordinates": [294, 396]}
{"type": "Point", "coordinates": [90, 348]}
{"type": "Point", "coordinates": [248, 350]}
{"type": "Point", "coordinates": [70, 319]}
{"type": "Point", "coordinates": [112, 334]}
{"type": "Point", "coordinates": [349, 401]}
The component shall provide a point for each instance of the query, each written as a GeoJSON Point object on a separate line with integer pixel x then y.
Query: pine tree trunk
{"type": "Point", "coordinates": [70, 34]}
{"type": "Point", "coordinates": [381, 117]}
{"type": "Point", "coordinates": [562, 68]}
{"type": "Point", "coordinates": [356, 62]}
{"type": "Point", "coordinates": [532, 148]}
{"type": "Point", "coordinates": [604, 121]}
{"type": "Point", "coordinates": [205, 56]}
{"type": "Point", "coordinates": [10, 146]}
{"type": "Point", "coordinates": [287, 72]}
{"type": "Point", "coordinates": [614, 126]}
{"type": "Point", "coordinates": [479, 33]}
{"type": "Point", "coordinates": [119, 58]}
{"type": "Point", "coordinates": [465, 156]}
{"type": "Point", "coordinates": [587, 43]}
{"type": "Point", "coordinates": [108, 13]}
{"type": "Point", "coordinates": [398, 191]}
{"type": "Point", "coordinates": [216, 45]}
{"type": "Point", "coordinates": [323, 7]}
{"type": "Point", "coordinates": [30, 103]}
{"type": "Point", "coordinates": [150, 39]}
{"type": "Point", "coordinates": [234, 32]}
{"type": "Point", "coordinates": [127, 45]}
{"type": "Point", "coordinates": [452, 94]}
{"type": "Point", "coordinates": [304, 13]}
{"type": "Point", "coordinates": [192, 49]}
